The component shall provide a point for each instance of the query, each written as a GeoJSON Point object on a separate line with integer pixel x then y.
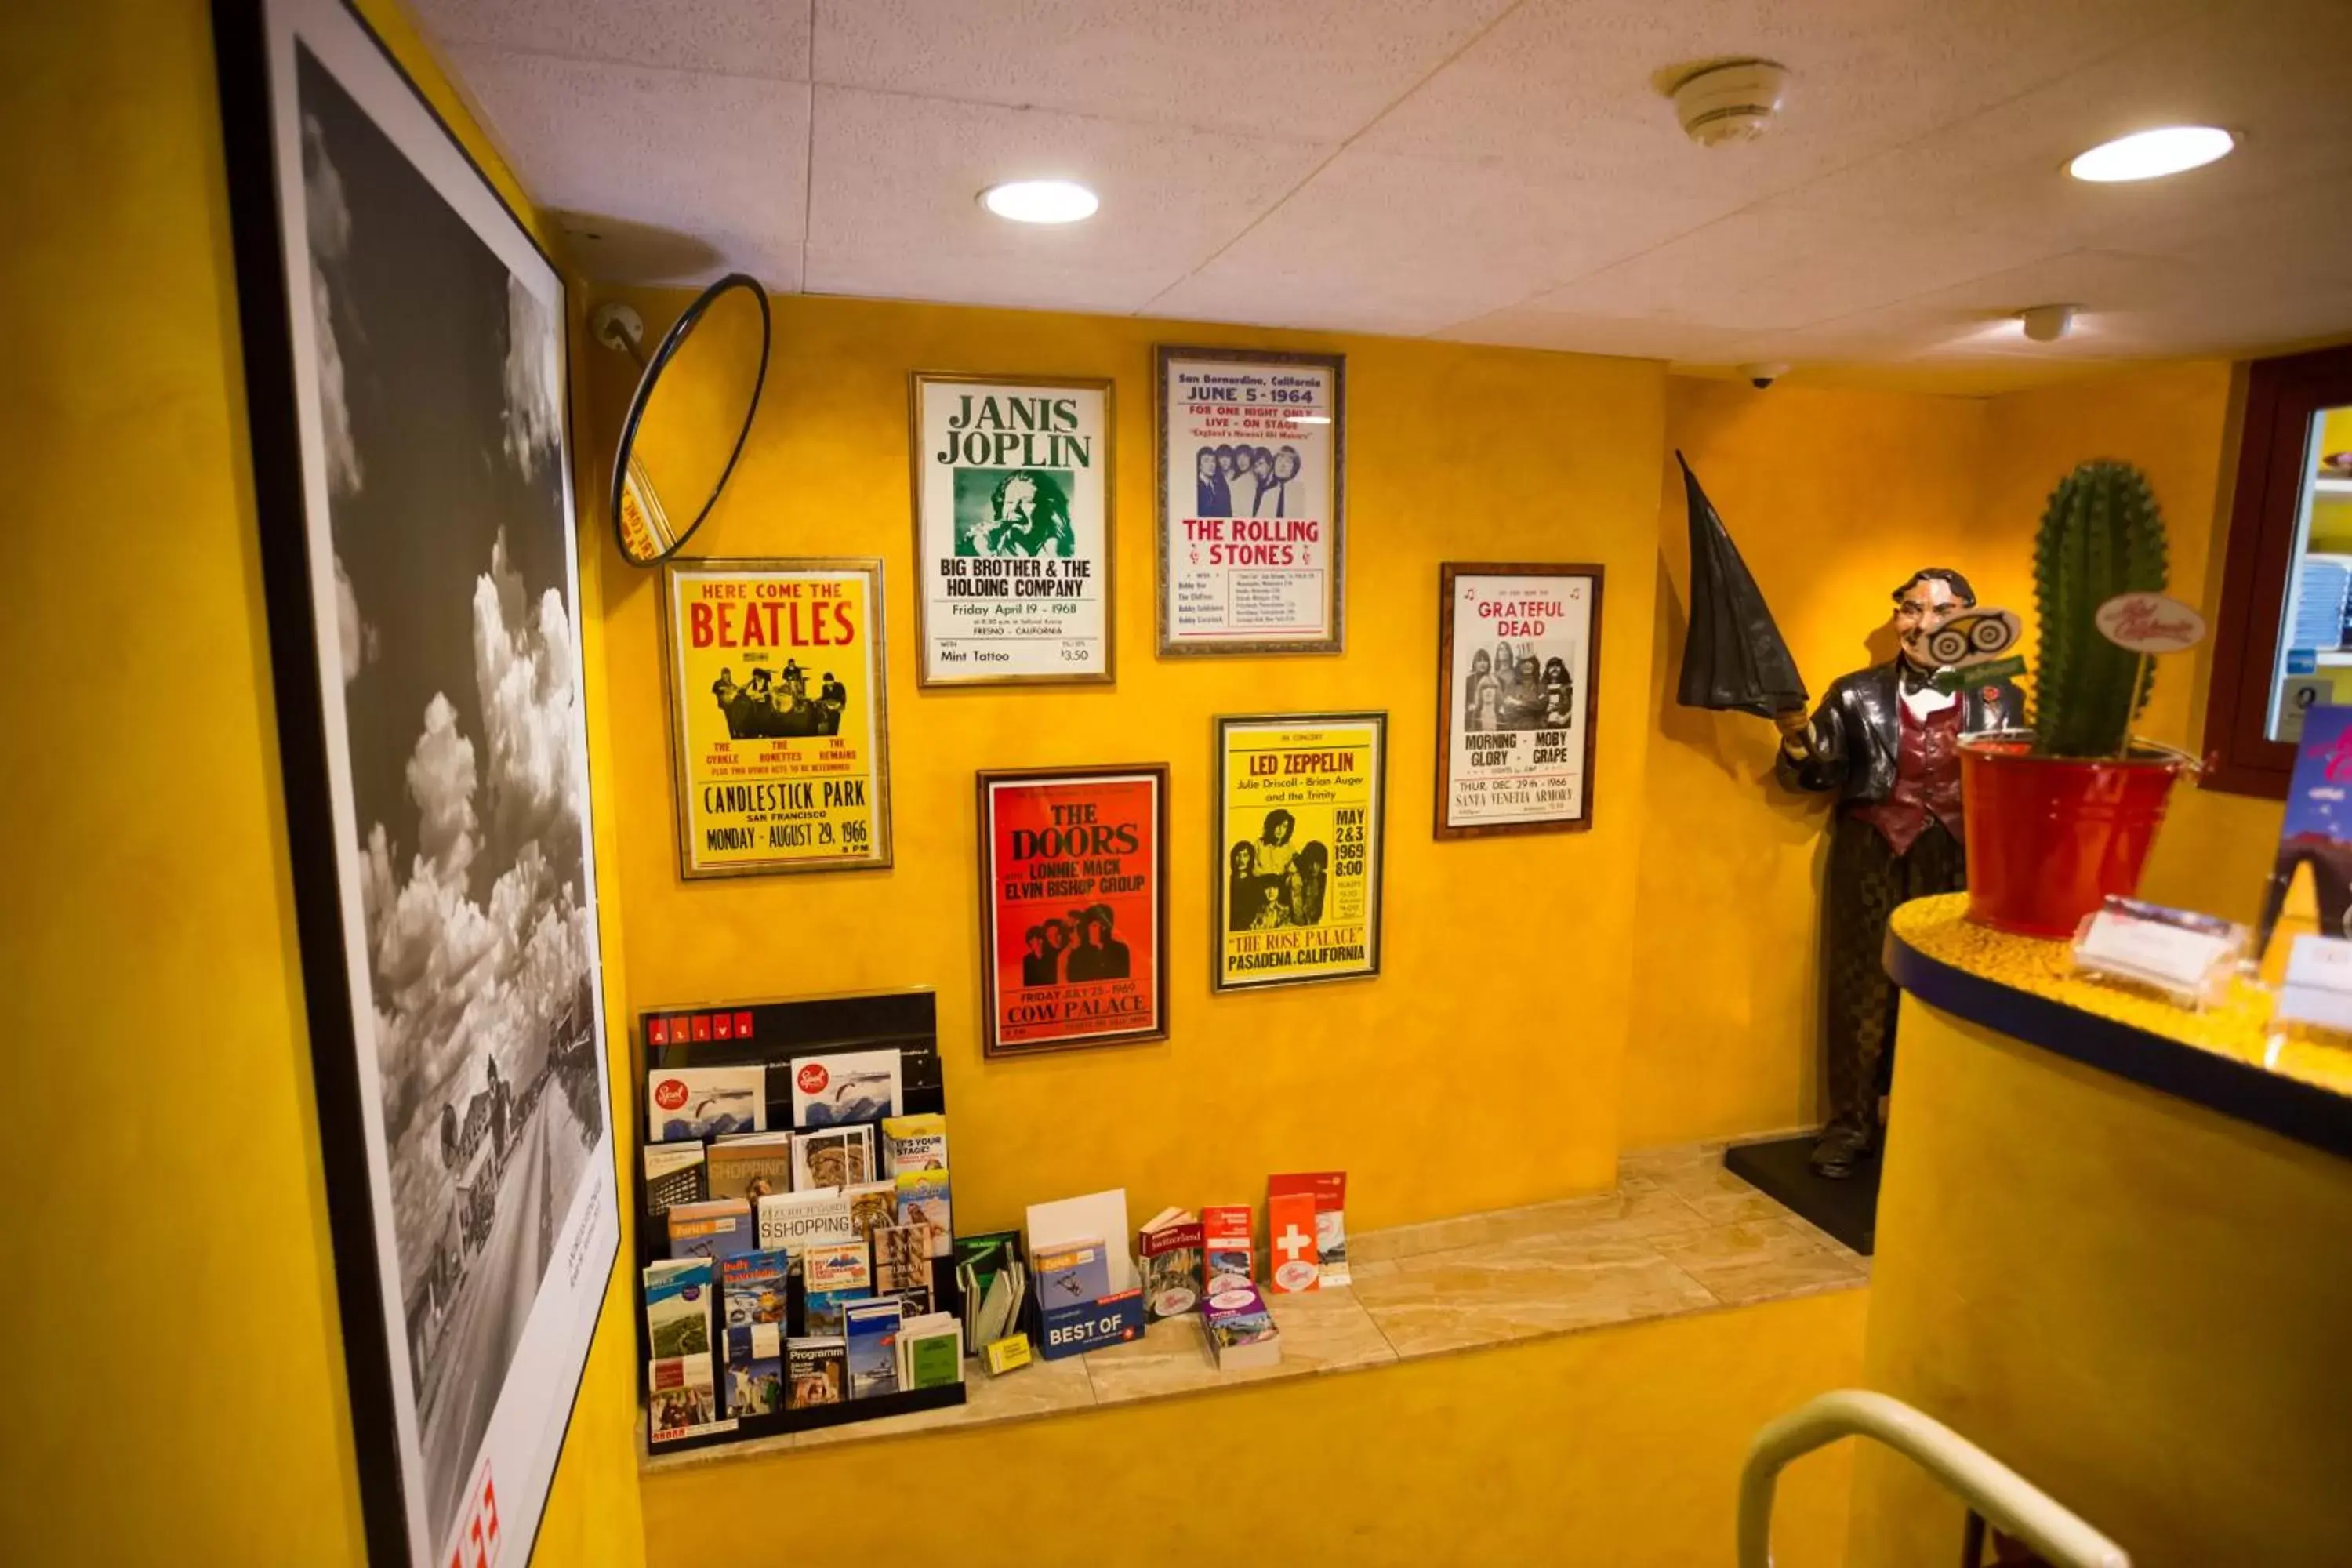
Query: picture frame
{"type": "Point", "coordinates": [1300, 840]}
{"type": "Point", "coordinates": [1528, 768]}
{"type": "Point", "coordinates": [403, 345]}
{"type": "Point", "coordinates": [1272, 579]}
{"type": "Point", "coordinates": [994, 461]}
{"type": "Point", "coordinates": [1049, 837]}
{"type": "Point", "coordinates": [769, 778]}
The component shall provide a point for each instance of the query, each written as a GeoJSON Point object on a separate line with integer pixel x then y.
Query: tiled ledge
{"type": "Point", "coordinates": [1679, 1236]}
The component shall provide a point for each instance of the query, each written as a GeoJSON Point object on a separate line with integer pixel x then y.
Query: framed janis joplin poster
{"type": "Point", "coordinates": [1014, 531]}
{"type": "Point", "coordinates": [778, 734]}
{"type": "Point", "coordinates": [1301, 825]}
{"type": "Point", "coordinates": [1073, 908]}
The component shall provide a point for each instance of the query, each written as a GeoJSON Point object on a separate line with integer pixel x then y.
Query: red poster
{"type": "Point", "coordinates": [1073, 917]}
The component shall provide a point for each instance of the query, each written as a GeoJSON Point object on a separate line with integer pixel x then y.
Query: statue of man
{"type": "Point", "coordinates": [1888, 743]}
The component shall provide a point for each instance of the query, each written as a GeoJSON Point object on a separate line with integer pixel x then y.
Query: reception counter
{"type": "Point", "coordinates": [2115, 1246]}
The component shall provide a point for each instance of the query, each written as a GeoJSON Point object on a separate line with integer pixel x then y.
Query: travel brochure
{"type": "Point", "coordinates": [817, 1264]}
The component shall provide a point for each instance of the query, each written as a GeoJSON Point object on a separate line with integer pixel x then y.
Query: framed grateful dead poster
{"type": "Point", "coordinates": [1518, 668]}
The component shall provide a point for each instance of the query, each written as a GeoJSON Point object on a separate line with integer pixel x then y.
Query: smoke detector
{"type": "Point", "coordinates": [2048, 324]}
{"type": "Point", "coordinates": [1729, 100]}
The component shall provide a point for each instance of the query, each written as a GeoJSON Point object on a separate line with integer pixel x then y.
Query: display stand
{"type": "Point", "coordinates": [771, 1033]}
{"type": "Point", "coordinates": [1782, 1170]}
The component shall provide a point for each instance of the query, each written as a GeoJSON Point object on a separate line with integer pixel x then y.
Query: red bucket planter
{"type": "Point", "coordinates": [2049, 838]}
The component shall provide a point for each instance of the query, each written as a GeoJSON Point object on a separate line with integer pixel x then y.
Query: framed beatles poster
{"type": "Point", "coordinates": [1073, 908]}
{"type": "Point", "coordinates": [1253, 533]}
{"type": "Point", "coordinates": [1300, 827]}
{"type": "Point", "coordinates": [1518, 665]}
{"type": "Point", "coordinates": [1012, 530]}
{"type": "Point", "coordinates": [778, 733]}
{"type": "Point", "coordinates": [404, 351]}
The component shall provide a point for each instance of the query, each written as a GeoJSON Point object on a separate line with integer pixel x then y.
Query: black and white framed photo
{"type": "Point", "coordinates": [405, 348]}
{"type": "Point", "coordinates": [1251, 504]}
{"type": "Point", "coordinates": [1519, 672]}
{"type": "Point", "coordinates": [1014, 536]}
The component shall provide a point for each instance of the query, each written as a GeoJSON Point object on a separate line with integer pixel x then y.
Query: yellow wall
{"type": "Point", "coordinates": [1621, 1447]}
{"type": "Point", "coordinates": [1833, 496]}
{"type": "Point", "coordinates": [180, 1378]}
{"type": "Point", "coordinates": [2177, 423]}
{"type": "Point", "coordinates": [1505, 960]}
{"type": "Point", "coordinates": [2137, 1304]}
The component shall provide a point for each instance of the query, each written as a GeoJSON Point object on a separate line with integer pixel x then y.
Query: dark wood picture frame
{"type": "Point", "coordinates": [1336, 590]}
{"type": "Point", "coordinates": [253, 39]}
{"type": "Point", "coordinates": [1587, 700]}
{"type": "Point", "coordinates": [985, 782]}
{"type": "Point", "coordinates": [916, 380]}
{"type": "Point", "coordinates": [1221, 835]}
{"type": "Point", "coordinates": [673, 677]}
{"type": "Point", "coordinates": [2281, 397]}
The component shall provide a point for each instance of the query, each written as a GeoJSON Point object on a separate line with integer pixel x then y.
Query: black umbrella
{"type": "Point", "coordinates": [1734, 660]}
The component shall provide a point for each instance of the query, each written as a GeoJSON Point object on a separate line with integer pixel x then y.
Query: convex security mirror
{"type": "Point", "coordinates": [689, 415]}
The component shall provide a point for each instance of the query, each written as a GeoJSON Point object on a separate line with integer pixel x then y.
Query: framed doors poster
{"type": "Point", "coordinates": [404, 346]}
{"type": "Point", "coordinates": [1253, 533]}
{"type": "Point", "coordinates": [1073, 908]}
{"type": "Point", "coordinates": [1518, 666]}
{"type": "Point", "coordinates": [1301, 825]}
{"type": "Point", "coordinates": [1012, 530]}
{"type": "Point", "coordinates": [778, 739]}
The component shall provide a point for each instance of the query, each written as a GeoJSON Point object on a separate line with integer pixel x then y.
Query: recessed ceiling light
{"type": "Point", "coordinates": [1040, 201]}
{"type": "Point", "coordinates": [2152, 154]}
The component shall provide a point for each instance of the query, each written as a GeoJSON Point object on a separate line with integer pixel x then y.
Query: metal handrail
{"type": "Point", "coordinates": [1991, 1488]}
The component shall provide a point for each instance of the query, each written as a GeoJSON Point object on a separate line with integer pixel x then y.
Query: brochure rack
{"type": "Point", "coordinates": [771, 1033]}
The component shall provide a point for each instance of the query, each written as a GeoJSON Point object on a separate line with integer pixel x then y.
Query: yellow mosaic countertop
{"type": "Point", "coordinates": [2239, 1030]}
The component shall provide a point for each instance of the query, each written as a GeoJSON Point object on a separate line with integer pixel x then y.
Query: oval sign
{"type": "Point", "coordinates": [2150, 623]}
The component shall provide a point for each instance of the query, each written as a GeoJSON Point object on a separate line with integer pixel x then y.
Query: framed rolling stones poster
{"type": "Point", "coordinates": [1251, 476]}
{"type": "Point", "coordinates": [1073, 908]}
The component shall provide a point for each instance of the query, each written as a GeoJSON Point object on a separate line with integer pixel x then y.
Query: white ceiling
{"type": "Point", "coordinates": [1484, 171]}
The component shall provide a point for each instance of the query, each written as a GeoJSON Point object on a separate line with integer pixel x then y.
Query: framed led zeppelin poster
{"type": "Point", "coordinates": [404, 364]}
{"type": "Point", "coordinates": [1519, 669]}
{"type": "Point", "coordinates": [1252, 450]}
{"type": "Point", "coordinates": [1013, 481]}
{"type": "Point", "coordinates": [1073, 908]}
{"type": "Point", "coordinates": [1301, 827]}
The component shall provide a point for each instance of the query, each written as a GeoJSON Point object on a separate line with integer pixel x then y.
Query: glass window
{"type": "Point", "coordinates": [2315, 655]}
{"type": "Point", "coordinates": [2283, 640]}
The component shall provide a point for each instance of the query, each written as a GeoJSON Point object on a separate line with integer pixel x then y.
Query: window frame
{"type": "Point", "coordinates": [2281, 397]}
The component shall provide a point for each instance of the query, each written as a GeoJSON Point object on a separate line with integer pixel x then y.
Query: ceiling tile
{"type": "Point", "coordinates": [1478, 170]}
{"type": "Point", "coordinates": [1633, 337]}
{"type": "Point", "coordinates": [1307, 69]}
{"type": "Point", "coordinates": [1572, 83]}
{"type": "Point", "coordinates": [1421, 242]}
{"type": "Point", "coordinates": [897, 178]}
{"type": "Point", "coordinates": [739, 37]}
{"type": "Point", "coordinates": [722, 159]}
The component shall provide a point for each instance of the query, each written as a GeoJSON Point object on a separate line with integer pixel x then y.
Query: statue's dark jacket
{"type": "Point", "coordinates": [1858, 729]}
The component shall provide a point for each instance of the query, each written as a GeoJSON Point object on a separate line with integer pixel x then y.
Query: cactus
{"type": "Point", "coordinates": [2102, 535]}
